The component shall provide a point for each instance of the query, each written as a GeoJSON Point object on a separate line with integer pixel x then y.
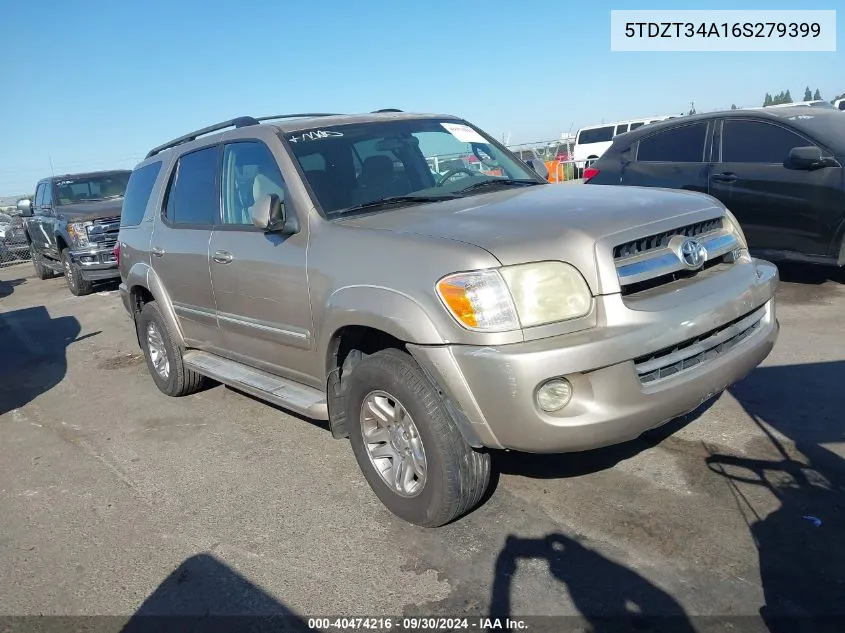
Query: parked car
{"type": "Point", "coordinates": [13, 245]}
{"type": "Point", "coordinates": [314, 261]}
{"type": "Point", "coordinates": [779, 171]}
{"type": "Point", "coordinates": [71, 227]}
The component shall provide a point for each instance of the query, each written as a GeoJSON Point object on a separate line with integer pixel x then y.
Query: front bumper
{"type": "Point", "coordinates": [494, 387]}
{"type": "Point", "coordinates": [95, 264]}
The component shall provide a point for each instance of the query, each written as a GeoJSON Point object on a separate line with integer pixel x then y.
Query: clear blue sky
{"type": "Point", "coordinates": [94, 85]}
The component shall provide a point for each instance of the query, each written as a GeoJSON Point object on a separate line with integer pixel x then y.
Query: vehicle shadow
{"type": "Point", "coordinates": [801, 556]}
{"type": "Point", "coordinates": [562, 466]}
{"type": "Point", "coordinates": [205, 595]}
{"type": "Point", "coordinates": [810, 274]}
{"type": "Point", "coordinates": [7, 287]}
{"type": "Point", "coordinates": [33, 360]}
{"type": "Point", "coordinates": [608, 596]}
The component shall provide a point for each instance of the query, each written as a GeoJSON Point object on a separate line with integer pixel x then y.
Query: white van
{"type": "Point", "coordinates": [591, 142]}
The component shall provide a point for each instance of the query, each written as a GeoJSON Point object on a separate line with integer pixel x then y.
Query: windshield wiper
{"type": "Point", "coordinates": [500, 182]}
{"type": "Point", "coordinates": [394, 200]}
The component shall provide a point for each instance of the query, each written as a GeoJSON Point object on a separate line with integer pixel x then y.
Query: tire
{"type": "Point", "coordinates": [456, 475]}
{"type": "Point", "coordinates": [178, 380]}
{"type": "Point", "coordinates": [77, 285]}
{"type": "Point", "coordinates": [41, 271]}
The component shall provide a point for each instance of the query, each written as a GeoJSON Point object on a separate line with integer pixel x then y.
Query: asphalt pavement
{"type": "Point", "coordinates": [115, 499]}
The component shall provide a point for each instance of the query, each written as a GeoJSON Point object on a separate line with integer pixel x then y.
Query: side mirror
{"type": "Point", "coordinates": [538, 167]}
{"type": "Point", "coordinates": [25, 207]}
{"type": "Point", "coordinates": [269, 214]}
{"type": "Point", "coordinates": [805, 158]}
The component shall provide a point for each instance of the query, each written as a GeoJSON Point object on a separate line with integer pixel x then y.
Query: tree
{"type": "Point", "coordinates": [768, 100]}
{"type": "Point", "coordinates": [808, 95]}
{"type": "Point", "coordinates": [787, 98]}
{"type": "Point", "coordinates": [733, 106]}
{"type": "Point", "coordinates": [818, 95]}
{"type": "Point", "coordinates": [691, 108]}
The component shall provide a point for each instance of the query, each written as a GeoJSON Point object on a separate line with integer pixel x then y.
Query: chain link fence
{"type": "Point", "coordinates": [13, 245]}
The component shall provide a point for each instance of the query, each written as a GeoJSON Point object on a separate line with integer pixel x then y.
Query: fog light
{"type": "Point", "coordinates": [554, 394]}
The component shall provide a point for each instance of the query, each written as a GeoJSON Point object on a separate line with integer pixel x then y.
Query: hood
{"type": "Point", "coordinates": [573, 223]}
{"type": "Point", "coordinates": [83, 211]}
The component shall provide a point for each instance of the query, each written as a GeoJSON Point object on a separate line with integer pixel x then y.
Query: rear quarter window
{"type": "Point", "coordinates": [138, 192]}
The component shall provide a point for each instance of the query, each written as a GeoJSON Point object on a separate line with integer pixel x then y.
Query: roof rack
{"type": "Point", "coordinates": [386, 110]}
{"type": "Point", "coordinates": [297, 116]}
{"type": "Point", "coordinates": [243, 121]}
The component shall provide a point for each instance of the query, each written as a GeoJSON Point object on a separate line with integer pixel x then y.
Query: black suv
{"type": "Point", "coordinates": [72, 226]}
{"type": "Point", "coordinates": [778, 170]}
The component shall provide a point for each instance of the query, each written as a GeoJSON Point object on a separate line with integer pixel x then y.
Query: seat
{"type": "Point", "coordinates": [262, 185]}
{"type": "Point", "coordinates": [377, 180]}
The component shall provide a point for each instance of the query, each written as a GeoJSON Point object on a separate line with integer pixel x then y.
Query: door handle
{"type": "Point", "coordinates": [158, 252]}
{"type": "Point", "coordinates": [222, 257]}
{"type": "Point", "coordinates": [727, 176]}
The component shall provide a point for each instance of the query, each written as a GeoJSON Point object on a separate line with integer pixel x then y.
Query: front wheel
{"type": "Point", "coordinates": [76, 283]}
{"type": "Point", "coordinates": [408, 446]}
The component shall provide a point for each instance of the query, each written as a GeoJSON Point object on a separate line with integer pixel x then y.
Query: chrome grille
{"type": "Point", "coordinates": [105, 233]}
{"type": "Point", "coordinates": [659, 240]}
{"type": "Point", "coordinates": [697, 351]}
{"type": "Point", "coordinates": [655, 260]}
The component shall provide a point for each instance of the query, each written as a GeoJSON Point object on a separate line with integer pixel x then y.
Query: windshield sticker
{"type": "Point", "coordinates": [61, 183]}
{"type": "Point", "coordinates": [801, 117]}
{"type": "Point", "coordinates": [314, 136]}
{"type": "Point", "coordinates": [464, 133]}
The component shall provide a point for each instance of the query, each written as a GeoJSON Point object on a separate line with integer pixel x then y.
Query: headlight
{"type": "Point", "coordinates": [737, 229]}
{"type": "Point", "coordinates": [511, 297]}
{"type": "Point", "coordinates": [78, 232]}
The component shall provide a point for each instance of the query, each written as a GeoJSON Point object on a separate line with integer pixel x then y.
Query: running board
{"type": "Point", "coordinates": [281, 391]}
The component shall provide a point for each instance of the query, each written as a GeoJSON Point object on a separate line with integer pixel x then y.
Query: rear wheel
{"type": "Point", "coordinates": [407, 445]}
{"type": "Point", "coordinates": [41, 271]}
{"type": "Point", "coordinates": [76, 283]}
{"type": "Point", "coordinates": [164, 356]}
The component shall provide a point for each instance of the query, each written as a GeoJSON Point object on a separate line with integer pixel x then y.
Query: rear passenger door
{"type": "Point", "coordinates": [779, 208]}
{"type": "Point", "coordinates": [676, 158]}
{"type": "Point", "coordinates": [259, 279]}
{"type": "Point", "coordinates": [180, 241]}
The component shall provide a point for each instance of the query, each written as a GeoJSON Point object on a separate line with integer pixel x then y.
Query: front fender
{"type": "Point", "coordinates": [142, 275]}
{"type": "Point", "coordinates": [380, 308]}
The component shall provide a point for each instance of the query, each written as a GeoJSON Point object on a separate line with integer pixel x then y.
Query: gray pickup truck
{"type": "Point", "coordinates": [71, 227]}
{"type": "Point", "coordinates": [317, 262]}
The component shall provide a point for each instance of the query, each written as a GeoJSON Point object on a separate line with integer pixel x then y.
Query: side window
{"type": "Point", "coordinates": [684, 144]}
{"type": "Point", "coordinates": [138, 192]}
{"type": "Point", "coordinates": [634, 126]}
{"type": "Point", "coordinates": [595, 135]}
{"type": "Point", "coordinates": [48, 194]}
{"type": "Point", "coordinates": [621, 129]}
{"type": "Point", "coordinates": [757, 142]}
{"type": "Point", "coordinates": [249, 172]}
{"type": "Point", "coordinates": [39, 195]}
{"type": "Point", "coordinates": [192, 195]}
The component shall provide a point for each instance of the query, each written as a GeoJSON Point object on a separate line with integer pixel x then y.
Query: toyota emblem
{"type": "Point", "coordinates": [693, 254]}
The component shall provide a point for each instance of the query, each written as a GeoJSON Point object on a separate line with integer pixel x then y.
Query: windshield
{"type": "Point", "coordinates": [348, 166]}
{"type": "Point", "coordinates": [86, 189]}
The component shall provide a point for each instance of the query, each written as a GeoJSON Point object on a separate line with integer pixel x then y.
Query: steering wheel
{"type": "Point", "coordinates": [451, 173]}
